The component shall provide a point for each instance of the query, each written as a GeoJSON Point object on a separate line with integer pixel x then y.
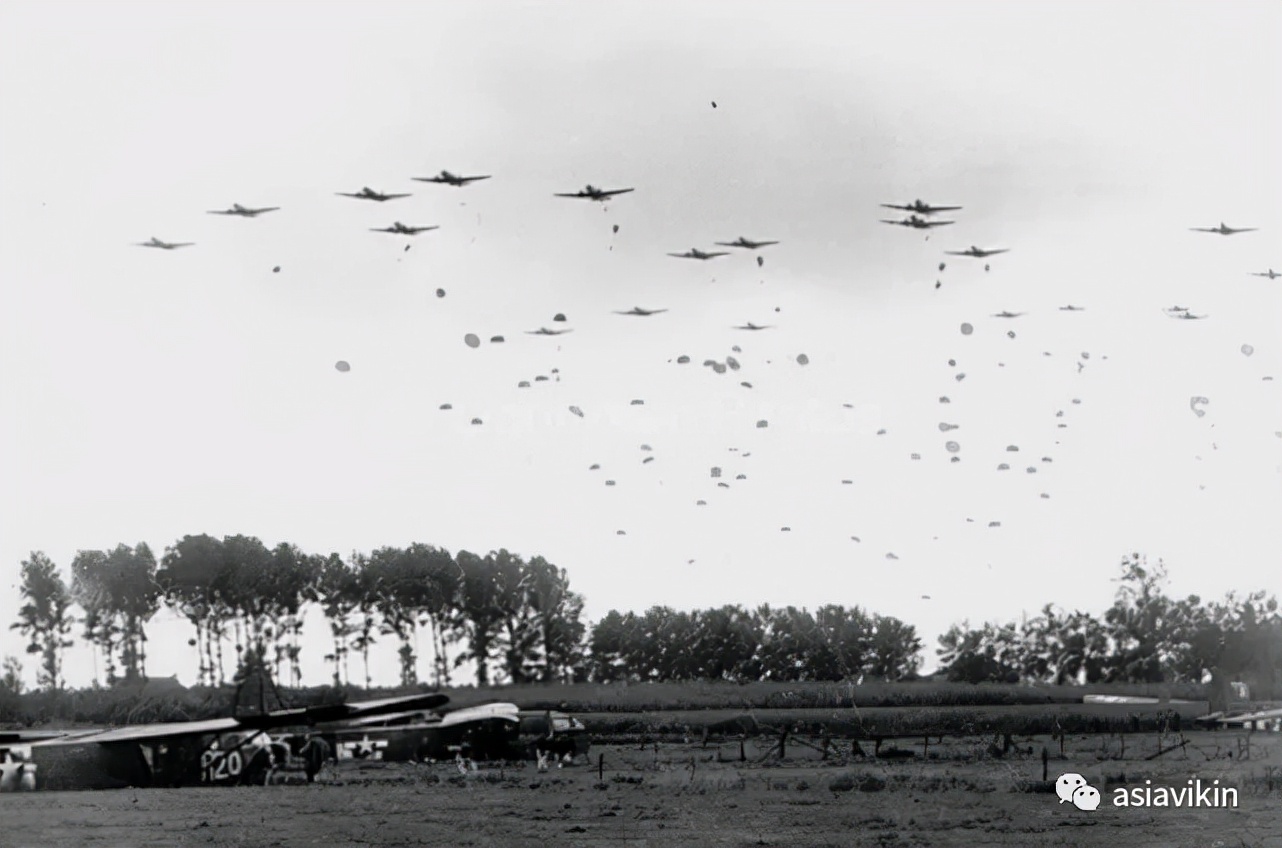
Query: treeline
{"type": "Point", "coordinates": [1146, 636]}
{"type": "Point", "coordinates": [519, 621]}
{"type": "Point", "coordinates": [497, 610]}
{"type": "Point", "coordinates": [732, 643]}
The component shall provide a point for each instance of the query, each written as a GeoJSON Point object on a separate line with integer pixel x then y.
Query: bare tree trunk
{"type": "Point", "coordinates": [222, 674]}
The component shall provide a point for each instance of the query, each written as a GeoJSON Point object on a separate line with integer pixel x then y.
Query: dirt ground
{"type": "Point", "coordinates": [958, 794]}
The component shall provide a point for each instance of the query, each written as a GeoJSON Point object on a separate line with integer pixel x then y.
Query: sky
{"type": "Point", "coordinates": [150, 394]}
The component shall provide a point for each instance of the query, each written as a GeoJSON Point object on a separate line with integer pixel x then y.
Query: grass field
{"type": "Point", "coordinates": [886, 722]}
{"type": "Point", "coordinates": [955, 795]}
{"type": "Point", "coordinates": [639, 697]}
{"type": "Point", "coordinates": [131, 705]}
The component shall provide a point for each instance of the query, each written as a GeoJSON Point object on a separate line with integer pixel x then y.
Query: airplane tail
{"type": "Point", "coordinates": [257, 694]}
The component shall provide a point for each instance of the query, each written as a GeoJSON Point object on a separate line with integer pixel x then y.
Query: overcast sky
{"type": "Point", "coordinates": [150, 394]}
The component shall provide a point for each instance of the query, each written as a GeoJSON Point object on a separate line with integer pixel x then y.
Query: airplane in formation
{"type": "Point", "coordinates": [368, 193]}
{"type": "Point", "coordinates": [164, 245]}
{"type": "Point", "coordinates": [1222, 230]}
{"type": "Point", "coordinates": [921, 208]}
{"type": "Point", "coordinates": [446, 178]}
{"type": "Point", "coordinates": [1271, 274]}
{"type": "Point", "coordinates": [977, 252]}
{"type": "Point", "coordinates": [242, 211]}
{"type": "Point", "coordinates": [636, 310]}
{"type": "Point", "coordinates": [1071, 308]}
{"type": "Point", "coordinates": [1006, 313]}
{"type": "Point", "coordinates": [211, 752]}
{"type": "Point", "coordinates": [591, 192]}
{"type": "Point", "coordinates": [752, 326]}
{"type": "Point", "coordinates": [400, 229]}
{"type": "Point", "coordinates": [743, 242]}
{"type": "Point", "coordinates": [544, 331]}
{"type": "Point", "coordinates": [696, 253]}
{"type": "Point", "coordinates": [917, 223]}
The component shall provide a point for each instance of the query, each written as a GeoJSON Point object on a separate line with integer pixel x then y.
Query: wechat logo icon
{"type": "Point", "coordinates": [1073, 788]}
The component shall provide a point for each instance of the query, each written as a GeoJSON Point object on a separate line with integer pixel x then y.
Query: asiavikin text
{"type": "Point", "coordinates": [1193, 794]}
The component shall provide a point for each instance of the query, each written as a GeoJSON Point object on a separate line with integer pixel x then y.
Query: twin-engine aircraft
{"type": "Point", "coordinates": [242, 211]}
{"type": "Point", "coordinates": [446, 178]}
{"type": "Point", "coordinates": [368, 193]}
{"type": "Point", "coordinates": [696, 253]}
{"type": "Point", "coordinates": [636, 310]}
{"type": "Point", "coordinates": [921, 208]}
{"type": "Point", "coordinates": [748, 243]}
{"type": "Point", "coordinates": [400, 229]}
{"type": "Point", "coordinates": [917, 222]}
{"type": "Point", "coordinates": [210, 752]}
{"type": "Point", "coordinates": [163, 245]}
{"type": "Point", "coordinates": [1223, 230]}
{"type": "Point", "coordinates": [977, 252]}
{"type": "Point", "coordinates": [591, 192]}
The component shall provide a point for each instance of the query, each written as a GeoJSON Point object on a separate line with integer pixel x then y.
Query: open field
{"type": "Point", "coordinates": [886, 722]}
{"type": "Point", "coordinates": [681, 794]}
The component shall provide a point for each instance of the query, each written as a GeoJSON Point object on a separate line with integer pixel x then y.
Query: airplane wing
{"type": "Point", "coordinates": [682, 255]}
{"type": "Point", "coordinates": [223, 212]}
{"type": "Point", "coordinates": [261, 211]}
{"type": "Point", "coordinates": [391, 196]}
{"type": "Point", "coordinates": [429, 179]}
{"type": "Point", "coordinates": [716, 253]}
{"type": "Point", "coordinates": [888, 221]}
{"type": "Point", "coordinates": [183, 244]}
{"type": "Point", "coordinates": [1204, 229]}
{"type": "Point", "coordinates": [138, 732]}
{"type": "Point", "coordinates": [616, 191]}
{"type": "Point", "coordinates": [342, 712]}
{"type": "Point", "coordinates": [1264, 715]}
{"type": "Point", "coordinates": [896, 206]}
{"type": "Point", "coordinates": [397, 719]}
{"type": "Point", "coordinates": [943, 209]}
{"type": "Point", "coordinates": [483, 712]}
{"type": "Point", "coordinates": [575, 194]}
{"type": "Point", "coordinates": [1243, 230]}
{"type": "Point", "coordinates": [474, 179]}
{"type": "Point", "coordinates": [937, 223]}
{"type": "Point", "coordinates": [28, 737]}
{"type": "Point", "coordinates": [959, 253]}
